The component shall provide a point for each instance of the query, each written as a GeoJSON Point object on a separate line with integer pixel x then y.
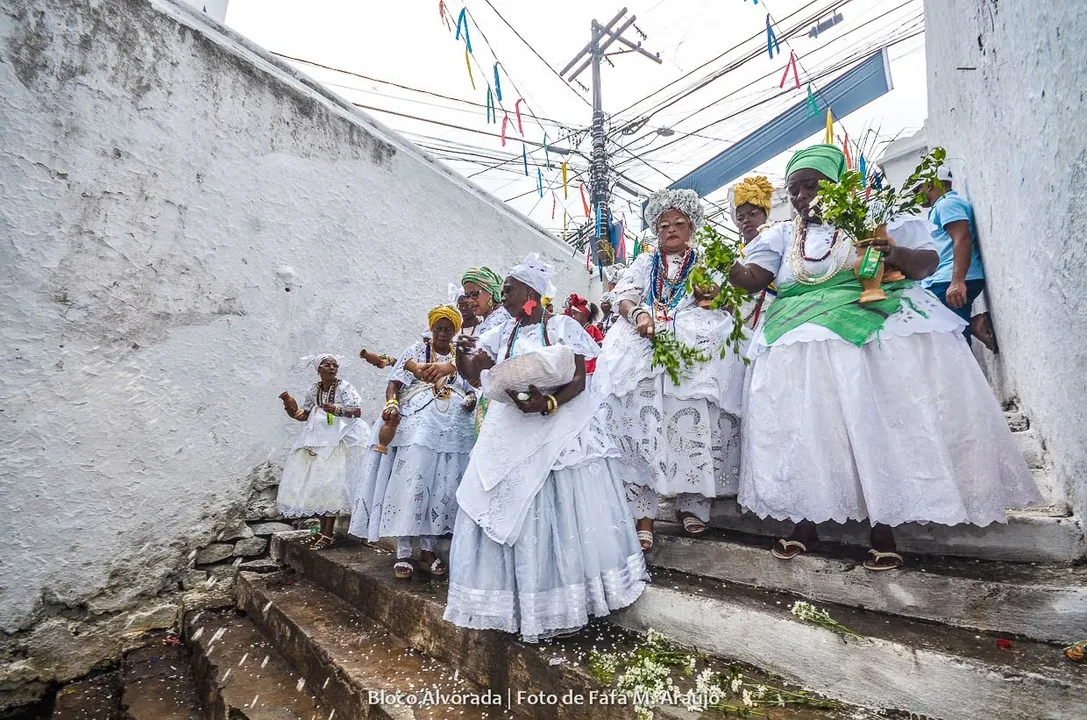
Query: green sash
{"type": "Point", "coordinates": [833, 305]}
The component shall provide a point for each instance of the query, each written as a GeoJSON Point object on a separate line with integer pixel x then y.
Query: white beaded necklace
{"type": "Point", "coordinates": [799, 266]}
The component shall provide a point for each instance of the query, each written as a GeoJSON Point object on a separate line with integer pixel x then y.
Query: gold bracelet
{"type": "Point", "coordinates": [299, 413]}
{"type": "Point", "coordinates": [552, 405]}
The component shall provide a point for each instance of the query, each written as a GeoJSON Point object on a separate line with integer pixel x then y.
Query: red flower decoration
{"type": "Point", "coordinates": [529, 307]}
{"type": "Point", "coordinates": [1004, 644]}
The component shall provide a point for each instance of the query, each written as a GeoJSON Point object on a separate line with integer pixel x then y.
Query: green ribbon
{"type": "Point", "coordinates": [834, 305]}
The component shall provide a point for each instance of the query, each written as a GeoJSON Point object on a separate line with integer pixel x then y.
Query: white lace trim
{"type": "Point", "coordinates": [541, 615]}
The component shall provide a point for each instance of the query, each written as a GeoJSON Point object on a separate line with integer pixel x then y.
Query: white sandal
{"type": "Point", "coordinates": [693, 526]}
{"type": "Point", "coordinates": [403, 569]}
{"type": "Point", "coordinates": [645, 539]}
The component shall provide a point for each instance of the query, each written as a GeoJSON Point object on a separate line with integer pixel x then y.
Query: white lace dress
{"type": "Point", "coordinates": [675, 440]}
{"type": "Point", "coordinates": [411, 490]}
{"type": "Point", "coordinates": [326, 460]}
{"type": "Point", "coordinates": [902, 429]}
{"type": "Point", "coordinates": [544, 539]}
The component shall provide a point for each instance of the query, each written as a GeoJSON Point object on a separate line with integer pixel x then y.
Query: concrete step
{"type": "Point", "coordinates": [240, 676]}
{"type": "Point", "coordinates": [355, 666]}
{"type": "Point", "coordinates": [926, 669]}
{"type": "Point", "coordinates": [362, 576]}
{"type": "Point", "coordinates": [1041, 602]}
{"type": "Point", "coordinates": [93, 698]}
{"type": "Point", "coordinates": [157, 684]}
{"type": "Point", "coordinates": [1046, 535]}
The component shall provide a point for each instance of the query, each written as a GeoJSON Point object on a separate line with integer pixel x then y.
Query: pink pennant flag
{"type": "Point", "coordinates": [517, 109]}
{"type": "Point", "coordinates": [785, 75]}
{"type": "Point", "coordinates": [505, 121]}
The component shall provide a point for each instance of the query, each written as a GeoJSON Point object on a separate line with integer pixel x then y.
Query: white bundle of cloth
{"type": "Point", "coordinates": [547, 368]}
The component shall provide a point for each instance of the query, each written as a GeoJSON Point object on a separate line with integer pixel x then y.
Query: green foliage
{"type": "Point", "coordinates": [716, 255]}
{"type": "Point", "coordinates": [844, 204]}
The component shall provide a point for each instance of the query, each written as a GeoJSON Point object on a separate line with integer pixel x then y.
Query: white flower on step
{"type": "Point", "coordinates": [748, 700]}
{"type": "Point", "coordinates": [737, 682]}
{"type": "Point", "coordinates": [301, 684]}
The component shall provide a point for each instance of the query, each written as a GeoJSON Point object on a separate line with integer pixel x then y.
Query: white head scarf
{"type": "Point", "coordinates": [535, 273]}
{"type": "Point", "coordinates": [686, 201]}
{"type": "Point", "coordinates": [315, 360]}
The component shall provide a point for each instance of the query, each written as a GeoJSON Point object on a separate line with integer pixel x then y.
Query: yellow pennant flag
{"type": "Point", "coordinates": [565, 188]}
{"type": "Point", "coordinates": [468, 62]}
{"type": "Point", "coordinates": [829, 139]}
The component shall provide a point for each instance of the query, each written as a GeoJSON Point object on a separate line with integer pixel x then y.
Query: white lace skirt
{"type": "Point", "coordinates": [903, 429]}
{"type": "Point", "coordinates": [411, 491]}
{"type": "Point", "coordinates": [672, 445]}
{"type": "Point", "coordinates": [313, 485]}
{"type": "Point", "coordinates": [577, 556]}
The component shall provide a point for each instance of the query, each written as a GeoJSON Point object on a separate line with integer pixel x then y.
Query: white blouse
{"type": "Point", "coordinates": [922, 313]}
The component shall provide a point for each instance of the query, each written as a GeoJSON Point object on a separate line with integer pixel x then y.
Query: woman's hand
{"type": "Point", "coordinates": [536, 401]}
{"type": "Point", "coordinates": [390, 414]}
{"type": "Point", "coordinates": [466, 343]}
{"type": "Point", "coordinates": [705, 294]}
{"type": "Point", "coordinates": [644, 325]}
{"type": "Point", "coordinates": [433, 372]}
{"type": "Point", "coordinates": [331, 409]}
{"type": "Point", "coordinates": [470, 402]}
{"type": "Point", "coordinates": [883, 244]}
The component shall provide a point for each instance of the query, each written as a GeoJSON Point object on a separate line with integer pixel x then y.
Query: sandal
{"type": "Point", "coordinates": [645, 539]}
{"type": "Point", "coordinates": [322, 542]}
{"type": "Point", "coordinates": [403, 569]}
{"type": "Point", "coordinates": [437, 568]}
{"type": "Point", "coordinates": [693, 526]}
{"type": "Point", "coordinates": [788, 549]}
{"type": "Point", "coordinates": [876, 561]}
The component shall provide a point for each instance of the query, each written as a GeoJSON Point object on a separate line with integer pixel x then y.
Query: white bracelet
{"type": "Point", "coordinates": [638, 310]}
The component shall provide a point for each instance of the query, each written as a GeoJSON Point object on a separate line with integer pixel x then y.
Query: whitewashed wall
{"type": "Point", "coordinates": [181, 218]}
{"type": "Point", "coordinates": [1006, 99]}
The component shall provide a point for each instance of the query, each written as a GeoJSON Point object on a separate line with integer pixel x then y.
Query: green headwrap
{"type": "Point", "coordinates": [486, 278]}
{"type": "Point", "coordinates": [827, 159]}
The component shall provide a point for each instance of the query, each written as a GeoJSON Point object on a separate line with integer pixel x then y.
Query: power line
{"type": "Point", "coordinates": [529, 46]}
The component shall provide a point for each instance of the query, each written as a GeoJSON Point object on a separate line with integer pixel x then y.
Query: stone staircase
{"type": "Point", "coordinates": [971, 627]}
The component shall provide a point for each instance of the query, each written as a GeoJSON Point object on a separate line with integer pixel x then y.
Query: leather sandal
{"type": "Point", "coordinates": [788, 549]}
{"type": "Point", "coordinates": [437, 568]}
{"type": "Point", "coordinates": [322, 542]}
{"type": "Point", "coordinates": [403, 569]}
{"type": "Point", "coordinates": [876, 561]}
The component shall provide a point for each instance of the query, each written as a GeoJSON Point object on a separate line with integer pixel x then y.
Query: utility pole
{"type": "Point", "coordinates": [601, 39]}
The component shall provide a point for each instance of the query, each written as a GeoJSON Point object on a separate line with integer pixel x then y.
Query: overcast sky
{"type": "Point", "coordinates": [407, 43]}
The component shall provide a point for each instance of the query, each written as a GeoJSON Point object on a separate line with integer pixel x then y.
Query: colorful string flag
{"type": "Point", "coordinates": [863, 167]}
{"type": "Point", "coordinates": [564, 225]}
{"type": "Point", "coordinates": [584, 202]}
{"type": "Point", "coordinates": [468, 63]}
{"type": "Point", "coordinates": [492, 116]}
{"type": "Point", "coordinates": [462, 22]}
{"type": "Point", "coordinates": [505, 122]}
{"type": "Point", "coordinates": [539, 181]}
{"type": "Point", "coordinates": [497, 83]}
{"type": "Point", "coordinates": [565, 186]}
{"type": "Point", "coordinates": [785, 75]}
{"type": "Point", "coordinates": [554, 204]}
{"type": "Point", "coordinates": [812, 106]}
{"type": "Point", "coordinates": [845, 150]}
{"type": "Point", "coordinates": [829, 138]}
{"type": "Point", "coordinates": [517, 109]}
{"type": "Point", "coordinates": [771, 38]}
{"type": "Point", "coordinates": [599, 220]}
{"type": "Point", "coordinates": [524, 158]}
{"type": "Point", "coordinates": [547, 155]}
{"type": "Point", "coordinates": [444, 14]}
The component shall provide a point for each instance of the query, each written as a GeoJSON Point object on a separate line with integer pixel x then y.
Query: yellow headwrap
{"type": "Point", "coordinates": [447, 312]}
{"type": "Point", "coordinates": [756, 190]}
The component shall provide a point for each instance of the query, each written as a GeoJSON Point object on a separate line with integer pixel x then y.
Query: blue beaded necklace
{"type": "Point", "coordinates": [667, 294]}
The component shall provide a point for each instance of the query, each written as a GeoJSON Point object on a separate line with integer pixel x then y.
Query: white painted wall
{"type": "Point", "coordinates": [1007, 100]}
{"type": "Point", "coordinates": [181, 218]}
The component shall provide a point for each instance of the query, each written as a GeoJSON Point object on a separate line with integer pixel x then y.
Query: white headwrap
{"type": "Point", "coordinates": [535, 273]}
{"type": "Point", "coordinates": [686, 201]}
{"type": "Point", "coordinates": [608, 297]}
{"type": "Point", "coordinates": [315, 360]}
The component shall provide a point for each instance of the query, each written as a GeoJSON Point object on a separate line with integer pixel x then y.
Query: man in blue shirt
{"type": "Point", "coordinates": [959, 278]}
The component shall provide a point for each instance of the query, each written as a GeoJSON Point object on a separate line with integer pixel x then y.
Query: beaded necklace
{"type": "Point", "coordinates": [326, 397]}
{"type": "Point", "coordinates": [665, 295]}
{"type": "Point", "coordinates": [798, 256]}
{"type": "Point", "coordinates": [430, 353]}
{"type": "Point", "coordinates": [516, 331]}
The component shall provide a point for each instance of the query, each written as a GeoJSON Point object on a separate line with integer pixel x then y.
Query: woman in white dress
{"type": "Point", "coordinates": [871, 412]}
{"type": "Point", "coordinates": [409, 491]}
{"type": "Point", "coordinates": [327, 457]}
{"type": "Point", "coordinates": [677, 441]}
{"type": "Point", "coordinates": [751, 201]}
{"type": "Point", "coordinates": [544, 539]}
